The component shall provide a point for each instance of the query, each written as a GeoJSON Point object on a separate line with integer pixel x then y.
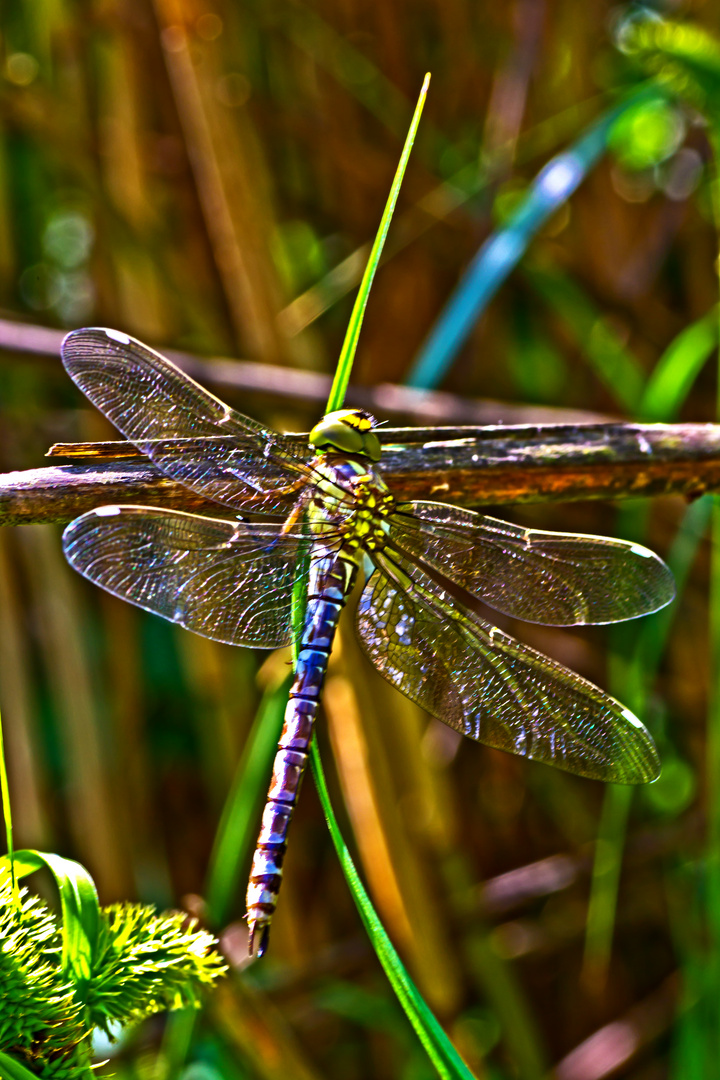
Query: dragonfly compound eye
{"type": "Point", "coordinates": [349, 431]}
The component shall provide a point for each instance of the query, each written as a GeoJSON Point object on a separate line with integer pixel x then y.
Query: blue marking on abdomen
{"type": "Point", "coordinates": [331, 580]}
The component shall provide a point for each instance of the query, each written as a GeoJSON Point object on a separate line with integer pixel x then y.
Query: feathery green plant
{"type": "Point", "coordinates": [147, 963]}
{"type": "Point", "coordinates": [41, 1020]}
{"type": "Point", "coordinates": [93, 968]}
{"type": "Point", "coordinates": [55, 991]}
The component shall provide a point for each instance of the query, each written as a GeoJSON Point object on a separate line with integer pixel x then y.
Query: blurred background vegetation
{"type": "Point", "coordinates": [207, 175]}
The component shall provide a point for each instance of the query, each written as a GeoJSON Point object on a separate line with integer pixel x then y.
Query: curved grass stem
{"type": "Point", "coordinates": [438, 1047]}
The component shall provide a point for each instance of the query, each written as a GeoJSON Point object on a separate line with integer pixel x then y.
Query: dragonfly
{"type": "Point", "coordinates": [312, 512]}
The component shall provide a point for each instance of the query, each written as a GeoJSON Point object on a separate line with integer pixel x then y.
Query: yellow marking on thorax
{"type": "Point", "coordinates": [361, 423]}
{"type": "Point", "coordinates": [359, 516]}
{"type": "Point", "coordinates": [366, 527]}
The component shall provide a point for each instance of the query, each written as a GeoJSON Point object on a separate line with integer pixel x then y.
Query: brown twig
{"type": "Point", "coordinates": [311, 388]}
{"type": "Point", "coordinates": [468, 466]}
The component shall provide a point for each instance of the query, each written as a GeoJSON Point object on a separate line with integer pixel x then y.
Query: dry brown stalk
{"type": "Point", "coordinates": [468, 466]}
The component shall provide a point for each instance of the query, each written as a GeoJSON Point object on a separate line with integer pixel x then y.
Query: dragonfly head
{"type": "Point", "coordinates": [348, 430]}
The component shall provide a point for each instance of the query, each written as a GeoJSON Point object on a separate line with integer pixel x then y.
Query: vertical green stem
{"type": "Point", "coordinates": [347, 353]}
{"type": "Point", "coordinates": [712, 1049]}
{"type": "Point", "coordinates": [176, 1043]}
{"type": "Point", "coordinates": [7, 815]}
{"type": "Point", "coordinates": [605, 882]}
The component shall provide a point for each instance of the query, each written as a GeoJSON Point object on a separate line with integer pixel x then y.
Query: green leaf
{"type": "Point", "coordinates": [677, 369]}
{"type": "Point", "coordinates": [10, 1069]}
{"type": "Point", "coordinates": [80, 908]}
{"type": "Point", "coordinates": [147, 963]}
{"type": "Point", "coordinates": [438, 1047]}
{"type": "Point", "coordinates": [347, 353]}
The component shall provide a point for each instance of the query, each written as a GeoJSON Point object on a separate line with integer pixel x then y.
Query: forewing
{"type": "Point", "coordinates": [553, 578]}
{"type": "Point", "coordinates": [492, 688]}
{"type": "Point", "coordinates": [187, 432]}
{"type": "Point", "coordinates": [226, 580]}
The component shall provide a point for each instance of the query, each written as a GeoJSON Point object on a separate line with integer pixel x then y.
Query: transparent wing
{"type": "Point", "coordinates": [492, 688]}
{"type": "Point", "coordinates": [553, 578]}
{"type": "Point", "coordinates": [226, 580]}
{"type": "Point", "coordinates": [186, 431]}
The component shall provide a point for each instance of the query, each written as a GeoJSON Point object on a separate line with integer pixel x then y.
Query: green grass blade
{"type": "Point", "coordinates": [80, 908]}
{"type": "Point", "coordinates": [347, 353]}
{"type": "Point", "coordinates": [676, 370]}
{"type": "Point", "coordinates": [238, 823]}
{"type": "Point", "coordinates": [300, 598]}
{"type": "Point", "coordinates": [438, 1047]}
{"type": "Point", "coordinates": [7, 816]}
{"type": "Point", "coordinates": [10, 1069]}
{"type": "Point", "coordinates": [605, 881]}
{"type": "Point", "coordinates": [176, 1042]}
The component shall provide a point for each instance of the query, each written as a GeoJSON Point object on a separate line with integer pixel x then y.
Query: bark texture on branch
{"type": "Point", "coordinates": [557, 463]}
{"type": "Point", "coordinates": [466, 466]}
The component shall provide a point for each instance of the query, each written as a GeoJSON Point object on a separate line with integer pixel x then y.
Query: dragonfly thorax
{"type": "Point", "coordinates": [351, 501]}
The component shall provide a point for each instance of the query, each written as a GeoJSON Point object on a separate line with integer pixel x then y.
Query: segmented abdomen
{"type": "Point", "coordinates": [331, 579]}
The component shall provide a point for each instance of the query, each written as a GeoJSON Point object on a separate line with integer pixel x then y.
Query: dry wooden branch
{"type": "Point", "coordinates": [311, 388]}
{"type": "Point", "coordinates": [467, 466]}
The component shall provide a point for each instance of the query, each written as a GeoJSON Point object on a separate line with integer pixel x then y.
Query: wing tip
{"type": "Point", "coordinates": [643, 772]}
{"type": "Point", "coordinates": [80, 334]}
{"type": "Point", "coordinates": [665, 589]}
{"type": "Point", "coordinates": [645, 765]}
